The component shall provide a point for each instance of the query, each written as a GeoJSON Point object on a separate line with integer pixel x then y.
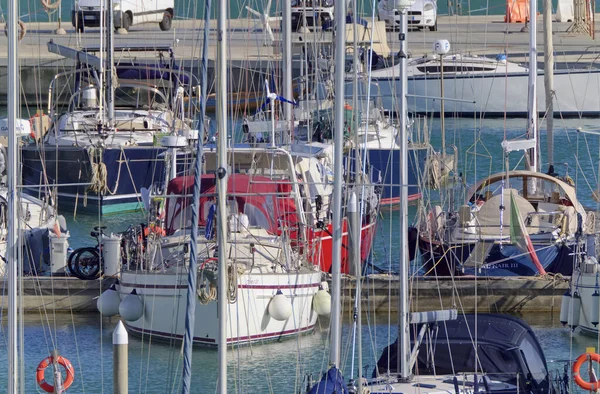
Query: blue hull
{"type": "Point", "coordinates": [386, 162]}
{"type": "Point", "coordinates": [448, 260]}
{"type": "Point", "coordinates": [70, 168]}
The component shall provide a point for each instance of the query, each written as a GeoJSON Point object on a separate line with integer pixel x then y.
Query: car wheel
{"type": "Point", "coordinates": [126, 21]}
{"type": "Point", "coordinates": [165, 24]}
{"type": "Point", "coordinates": [434, 27]}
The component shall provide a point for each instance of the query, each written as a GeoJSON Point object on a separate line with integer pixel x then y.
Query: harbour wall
{"type": "Point", "coordinates": [250, 61]}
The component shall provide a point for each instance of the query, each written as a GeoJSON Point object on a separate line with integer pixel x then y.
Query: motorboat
{"type": "Point", "coordinates": [483, 86]}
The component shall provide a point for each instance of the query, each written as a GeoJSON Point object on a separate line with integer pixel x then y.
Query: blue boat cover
{"type": "Point", "coordinates": [332, 382]}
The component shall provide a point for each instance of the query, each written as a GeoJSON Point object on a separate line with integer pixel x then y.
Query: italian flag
{"type": "Point", "coordinates": [519, 236]}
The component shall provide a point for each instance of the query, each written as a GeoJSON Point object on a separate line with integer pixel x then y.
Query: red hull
{"type": "Point", "coordinates": [322, 245]}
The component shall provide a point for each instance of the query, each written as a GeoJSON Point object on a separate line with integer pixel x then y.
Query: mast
{"type": "Point", "coordinates": [288, 113]}
{"type": "Point", "coordinates": [11, 244]}
{"type": "Point", "coordinates": [340, 46]}
{"type": "Point", "coordinates": [549, 78]}
{"type": "Point", "coordinates": [221, 190]}
{"type": "Point", "coordinates": [403, 328]}
{"type": "Point", "coordinates": [110, 46]}
{"type": "Point", "coordinates": [532, 127]}
{"type": "Point", "coordinates": [190, 318]}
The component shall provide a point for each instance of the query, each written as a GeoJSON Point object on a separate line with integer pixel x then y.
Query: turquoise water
{"type": "Point", "coordinates": [31, 10]}
{"type": "Point", "coordinates": [279, 367]}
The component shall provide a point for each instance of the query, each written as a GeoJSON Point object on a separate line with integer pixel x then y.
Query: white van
{"type": "Point", "coordinates": [86, 13]}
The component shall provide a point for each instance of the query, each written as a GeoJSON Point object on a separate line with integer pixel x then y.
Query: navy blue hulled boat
{"type": "Point", "coordinates": [484, 236]}
{"type": "Point", "coordinates": [102, 146]}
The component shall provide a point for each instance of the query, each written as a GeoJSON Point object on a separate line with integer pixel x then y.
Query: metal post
{"type": "Point", "coordinates": [549, 78]}
{"type": "Point", "coordinates": [532, 129]}
{"type": "Point", "coordinates": [110, 44]}
{"type": "Point", "coordinates": [442, 109]}
{"type": "Point", "coordinates": [354, 232]}
{"type": "Point", "coordinates": [221, 191]}
{"type": "Point", "coordinates": [288, 93]}
{"type": "Point", "coordinates": [120, 340]}
{"type": "Point", "coordinates": [338, 170]}
{"type": "Point", "coordinates": [11, 242]}
{"type": "Point", "coordinates": [403, 328]}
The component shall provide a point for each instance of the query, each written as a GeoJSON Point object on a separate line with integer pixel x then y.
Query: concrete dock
{"type": "Point", "coordinates": [483, 35]}
{"type": "Point", "coordinates": [380, 294]}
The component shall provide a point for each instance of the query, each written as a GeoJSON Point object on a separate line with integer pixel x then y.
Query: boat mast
{"type": "Point", "coordinates": [190, 317]}
{"type": "Point", "coordinates": [110, 45]}
{"type": "Point", "coordinates": [288, 113]}
{"type": "Point", "coordinates": [336, 262]}
{"type": "Point", "coordinates": [403, 349]}
{"type": "Point", "coordinates": [221, 190]}
{"type": "Point", "coordinates": [11, 242]}
{"type": "Point", "coordinates": [532, 127]}
{"type": "Point", "coordinates": [549, 78]}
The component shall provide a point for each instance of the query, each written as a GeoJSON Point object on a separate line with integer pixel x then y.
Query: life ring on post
{"type": "Point", "coordinates": [41, 381]}
{"type": "Point", "coordinates": [22, 30]}
{"type": "Point", "coordinates": [589, 386]}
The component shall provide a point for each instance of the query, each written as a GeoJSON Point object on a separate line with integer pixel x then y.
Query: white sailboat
{"type": "Point", "coordinates": [268, 283]}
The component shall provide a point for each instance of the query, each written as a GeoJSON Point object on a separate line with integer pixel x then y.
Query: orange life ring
{"type": "Point", "coordinates": [41, 381]}
{"type": "Point", "coordinates": [589, 386]}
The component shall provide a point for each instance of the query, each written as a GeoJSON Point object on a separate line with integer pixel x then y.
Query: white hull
{"type": "Point", "coordinates": [164, 298]}
{"type": "Point", "coordinates": [496, 94]}
{"type": "Point", "coordinates": [585, 286]}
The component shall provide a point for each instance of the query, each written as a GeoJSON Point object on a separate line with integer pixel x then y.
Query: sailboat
{"type": "Point", "coordinates": [101, 143]}
{"type": "Point", "coordinates": [313, 159]}
{"type": "Point", "coordinates": [269, 284]}
{"type": "Point", "coordinates": [513, 223]}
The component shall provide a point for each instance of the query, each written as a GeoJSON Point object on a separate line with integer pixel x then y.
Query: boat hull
{"type": "Point", "coordinates": [128, 170]}
{"type": "Point", "coordinates": [586, 285]}
{"type": "Point", "coordinates": [452, 259]}
{"type": "Point", "coordinates": [496, 95]}
{"type": "Point", "coordinates": [163, 296]}
{"type": "Point", "coordinates": [322, 246]}
{"type": "Point", "coordinates": [386, 162]}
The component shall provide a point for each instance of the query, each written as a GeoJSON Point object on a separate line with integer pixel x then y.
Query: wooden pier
{"type": "Point", "coordinates": [514, 295]}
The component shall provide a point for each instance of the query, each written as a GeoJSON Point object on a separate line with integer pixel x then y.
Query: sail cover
{"type": "Point", "coordinates": [506, 347]}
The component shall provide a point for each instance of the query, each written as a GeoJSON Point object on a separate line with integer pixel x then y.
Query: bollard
{"type": "Point", "coordinates": [120, 359]}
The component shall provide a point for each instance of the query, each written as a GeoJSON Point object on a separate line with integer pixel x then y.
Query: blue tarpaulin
{"type": "Point", "coordinates": [332, 382]}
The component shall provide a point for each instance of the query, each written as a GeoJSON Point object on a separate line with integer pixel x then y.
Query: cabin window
{"type": "Point", "coordinates": [451, 68]}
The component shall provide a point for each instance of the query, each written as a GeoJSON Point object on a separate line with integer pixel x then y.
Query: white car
{"type": "Point", "coordinates": [423, 13]}
{"type": "Point", "coordinates": [126, 13]}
